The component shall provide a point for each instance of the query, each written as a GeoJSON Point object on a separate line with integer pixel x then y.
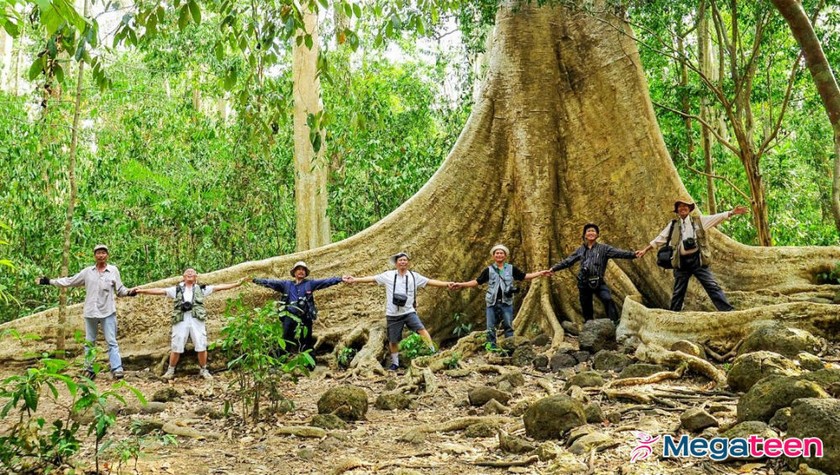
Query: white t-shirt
{"type": "Point", "coordinates": [412, 279]}
{"type": "Point", "coordinates": [188, 295]}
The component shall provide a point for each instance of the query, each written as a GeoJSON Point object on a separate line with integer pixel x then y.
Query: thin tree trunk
{"type": "Point", "coordinates": [685, 102]}
{"type": "Point", "coordinates": [71, 202]}
{"type": "Point", "coordinates": [312, 226]}
{"type": "Point", "coordinates": [704, 44]}
{"type": "Point", "coordinates": [802, 29]}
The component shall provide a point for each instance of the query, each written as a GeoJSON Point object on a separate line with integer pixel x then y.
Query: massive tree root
{"type": "Point", "coordinates": [563, 134]}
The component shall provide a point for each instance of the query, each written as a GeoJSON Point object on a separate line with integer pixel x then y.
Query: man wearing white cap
{"type": "Point", "coordinates": [499, 277]}
{"type": "Point", "coordinates": [691, 255]}
{"type": "Point", "coordinates": [299, 301]}
{"type": "Point", "coordinates": [401, 287]}
{"type": "Point", "coordinates": [188, 318]}
{"type": "Point", "coordinates": [102, 283]}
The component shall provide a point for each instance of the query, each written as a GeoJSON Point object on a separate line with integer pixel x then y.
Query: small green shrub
{"type": "Point", "coordinates": [453, 360]}
{"type": "Point", "coordinates": [830, 277]}
{"type": "Point", "coordinates": [414, 346]}
{"type": "Point", "coordinates": [345, 357]}
{"type": "Point", "coordinates": [462, 327]}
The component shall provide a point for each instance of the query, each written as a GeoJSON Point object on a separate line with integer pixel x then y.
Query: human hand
{"type": "Point", "coordinates": [454, 286]}
{"type": "Point", "coordinates": [740, 209]}
{"type": "Point", "coordinates": [641, 253]}
{"type": "Point", "coordinates": [132, 292]}
{"type": "Point", "coordinates": [42, 280]}
{"type": "Point", "coordinates": [546, 273]}
{"type": "Point", "coordinates": [348, 279]}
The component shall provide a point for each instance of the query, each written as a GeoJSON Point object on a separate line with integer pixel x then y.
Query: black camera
{"type": "Point", "coordinates": [186, 306]}
{"type": "Point", "coordinates": [689, 244]}
{"type": "Point", "coordinates": [513, 290]}
{"type": "Point", "coordinates": [593, 281]}
{"type": "Point", "coordinates": [399, 299]}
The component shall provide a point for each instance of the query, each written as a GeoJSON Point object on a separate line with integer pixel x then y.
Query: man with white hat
{"type": "Point", "coordinates": [499, 277]}
{"type": "Point", "coordinates": [401, 287]}
{"type": "Point", "coordinates": [102, 283]}
{"type": "Point", "coordinates": [188, 318]}
{"type": "Point", "coordinates": [299, 301]}
{"type": "Point", "coordinates": [691, 255]}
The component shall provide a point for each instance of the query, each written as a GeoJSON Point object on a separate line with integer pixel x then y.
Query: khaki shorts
{"type": "Point", "coordinates": [192, 329]}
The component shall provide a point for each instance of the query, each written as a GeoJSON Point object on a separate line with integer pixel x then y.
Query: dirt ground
{"type": "Point", "coordinates": [227, 446]}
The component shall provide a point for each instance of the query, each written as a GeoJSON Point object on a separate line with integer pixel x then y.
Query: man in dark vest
{"type": "Point", "coordinates": [593, 257]}
{"type": "Point", "coordinates": [692, 256]}
{"type": "Point", "coordinates": [499, 277]}
{"type": "Point", "coordinates": [188, 317]}
{"type": "Point", "coordinates": [299, 302]}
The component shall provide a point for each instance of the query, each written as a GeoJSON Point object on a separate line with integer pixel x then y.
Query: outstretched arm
{"type": "Point", "coordinates": [273, 284]}
{"type": "Point", "coordinates": [463, 285]}
{"type": "Point", "coordinates": [438, 283]}
{"type": "Point", "coordinates": [228, 286]}
{"type": "Point", "coordinates": [318, 284]}
{"type": "Point", "coordinates": [135, 290]}
{"type": "Point", "coordinates": [567, 262]}
{"type": "Point", "coordinates": [77, 280]}
{"type": "Point", "coordinates": [615, 253]}
{"type": "Point", "coordinates": [371, 279]}
{"type": "Point", "coordinates": [539, 273]}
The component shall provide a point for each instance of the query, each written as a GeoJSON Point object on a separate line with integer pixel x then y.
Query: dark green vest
{"type": "Point", "coordinates": [700, 235]}
{"type": "Point", "coordinates": [198, 310]}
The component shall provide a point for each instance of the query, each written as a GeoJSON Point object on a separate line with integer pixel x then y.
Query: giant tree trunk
{"type": "Point", "coordinates": [563, 134]}
{"type": "Point", "coordinates": [803, 31]}
{"type": "Point", "coordinates": [313, 227]}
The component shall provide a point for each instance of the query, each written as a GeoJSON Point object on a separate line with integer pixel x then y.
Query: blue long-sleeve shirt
{"type": "Point", "coordinates": [294, 291]}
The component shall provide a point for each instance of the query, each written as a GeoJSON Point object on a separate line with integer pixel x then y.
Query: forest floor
{"type": "Point", "coordinates": [223, 444]}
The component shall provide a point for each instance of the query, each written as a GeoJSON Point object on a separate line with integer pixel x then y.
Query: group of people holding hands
{"type": "Point", "coordinates": [686, 235]}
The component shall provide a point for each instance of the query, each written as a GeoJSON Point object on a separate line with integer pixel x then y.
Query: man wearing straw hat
{"type": "Point", "coordinates": [691, 255]}
{"type": "Point", "coordinates": [300, 303]}
{"type": "Point", "coordinates": [499, 277]}
{"type": "Point", "coordinates": [401, 287]}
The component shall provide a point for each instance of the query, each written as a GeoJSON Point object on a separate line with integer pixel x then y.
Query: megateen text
{"type": "Point", "coordinates": [721, 448]}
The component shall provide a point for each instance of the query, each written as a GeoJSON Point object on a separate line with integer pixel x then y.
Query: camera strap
{"type": "Point", "coordinates": [394, 288]}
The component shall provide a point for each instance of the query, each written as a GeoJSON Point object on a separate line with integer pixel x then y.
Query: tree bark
{"type": "Point", "coordinates": [563, 134]}
{"type": "Point", "coordinates": [312, 225]}
{"type": "Point", "coordinates": [802, 29]}
{"type": "Point", "coordinates": [704, 46]}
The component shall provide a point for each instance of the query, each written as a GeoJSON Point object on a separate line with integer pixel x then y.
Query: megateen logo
{"type": "Point", "coordinates": [723, 448]}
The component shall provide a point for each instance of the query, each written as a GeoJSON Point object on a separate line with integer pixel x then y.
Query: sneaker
{"type": "Point", "coordinates": [169, 374]}
{"type": "Point", "coordinates": [118, 373]}
{"type": "Point", "coordinates": [204, 373]}
{"type": "Point", "coordinates": [89, 374]}
{"type": "Point", "coordinates": [393, 367]}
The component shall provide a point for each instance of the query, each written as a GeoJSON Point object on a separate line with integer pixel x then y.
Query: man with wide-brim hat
{"type": "Point", "coordinates": [691, 255]}
{"type": "Point", "coordinates": [401, 286]}
{"type": "Point", "coordinates": [102, 283]}
{"type": "Point", "coordinates": [299, 304]}
{"type": "Point", "coordinates": [593, 257]}
{"type": "Point", "coordinates": [499, 277]}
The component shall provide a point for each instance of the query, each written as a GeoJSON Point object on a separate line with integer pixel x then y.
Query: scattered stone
{"type": "Point", "coordinates": [328, 421]}
{"type": "Point", "coordinates": [548, 451]}
{"type": "Point", "coordinates": [551, 417]}
{"type": "Point", "coordinates": [561, 360]}
{"type": "Point", "coordinates": [696, 419]}
{"type": "Point", "coordinates": [480, 430]}
{"type": "Point", "coordinates": [541, 363]}
{"type": "Point", "coordinates": [566, 463]}
{"type": "Point", "coordinates": [809, 362]}
{"type": "Point", "coordinates": [166, 394]}
{"type": "Point", "coordinates": [392, 401]}
{"type": "Point", "coordinates": [210, 412]}
{"type": "Point", "coordinates": [717, 407]}
{"type": "Point", "coordinates": [772, 393]}
{"type": "Point", "coordinates": [745, 429]}
{"type": "Point", "coordinates": [541, 340]}
{"type": "Point", "coordinates": [819, 418]}
{"type": "Point", "coordinates": [833, 389]}
{"type": "Point", "coordinates": [347, 402]}
{"type": "Point", "coordinates": [690, 348]}
{"type": "Point", "coordinates": [592, 441]}
{"type": "Point", "coordinates": [302, 431]}
{"type": "Point", "coordinates": [330, 443]}
{"type": "Point", "coordinates": [513, 444]}
{"type": "Point", "coordinates": [582, 356]}
{"type": "Point", "coordinates": [824, 377]}
{"type": "Point", "coordinates": [183, 431]}
{"type": "Point", "coordinates": [149, 408]}
{"type": "Point", "coordinates": [306, 454]}
{"type": "Point", "coordinates": [456, 449]}
{"type": "Point", "coordinates": [594, 413]}
{"type": "Point", "coordinates": [597, 335]}
{"type": "Point", "coordinates": [570, 327]}
{"type": "Point", "coordinates": [641, 370]}
{"type": "Point", "coordinates": [577, 433]}
{"type": "Point", "coordinates": [494, 407]}
{"type": "Point", "coordinates": [481, 395]}
{"type": "Point", "coordinates": [749, 368]}
{"type": "Point", "coordinates": [523, 356]}
{"type": "Point", "coordinates": [780, 419]}
{"type": "Point", "coordinates": [515, 378]}
{"type": "Point", "coordinates": [608, 360]}
{"type": "Point", "coordinates": [587, 379]}
{"type": "Point", "coordinates": [780, 339]}
{"type": "Point", "coordinates": [414, 437]}
{"type": "Point", "coordinates": [505, 387]}
{"type": "Point", "coordinates": [613, 417]}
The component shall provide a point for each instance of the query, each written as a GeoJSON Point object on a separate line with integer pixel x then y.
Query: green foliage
{"type": "Point", "coordinates": [413, 346]}
{"type": "Point", "coordinates": [462, 327]}
{"type": "Point", "coordinates": [453, 360]}
{"type": "Point", "coordinates": [345, 357]}
{"type": "Point", "coordinates": [830, 277]}
{"type": "Point", "coordinates": [34, 444]}
{"type": "Point", "coordinates": [254, 345]}
{"type": "Point", "coordinates": [5, 266]}
{"type": "Point", "coordinates": [135, 447]}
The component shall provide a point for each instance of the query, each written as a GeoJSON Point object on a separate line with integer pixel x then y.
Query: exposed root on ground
{"type": "Point", "coordinates": [653, 353]}
{"type": "Point", "coordinates": [654, 378]}
{"type": "Point", "coordinates": [723, 358]}
{"type": "Point", "coordinates": [507, 463]}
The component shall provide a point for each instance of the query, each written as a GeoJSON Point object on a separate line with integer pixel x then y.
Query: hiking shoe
{"type": "Point", "coordinates": [204, 373]}
{"type": "Point", "coordinates": [89, 374]}
{"type": "Point", "coordinates": [118, 373]}
{"type": "Point", "coordinates": [169, 374]}
{"type": "Point", "coordinates": [393, 367]}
